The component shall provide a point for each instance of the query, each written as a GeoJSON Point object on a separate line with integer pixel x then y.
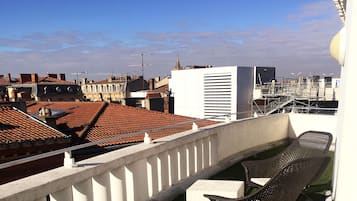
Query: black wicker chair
{"type": "Point", "coordinates": [308, 144]}
{"type": "Point", "coordinates": [287, 184]}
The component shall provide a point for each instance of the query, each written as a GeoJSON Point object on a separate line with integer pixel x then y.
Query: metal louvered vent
{"type": "Point", "coordinates": [217, 94]}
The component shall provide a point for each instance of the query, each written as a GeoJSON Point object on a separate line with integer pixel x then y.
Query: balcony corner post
{"type": "Point", "coordinates": [68, 161]}
{"type": "Point", "coordinates": [194, 126]}
{"type": "Point", "coordinates": [147, 139]}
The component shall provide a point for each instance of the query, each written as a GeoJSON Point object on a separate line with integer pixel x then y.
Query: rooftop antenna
{"type": "Point", "coordinates": [77, 75]}
{"type": "Point", "coordinates": [142, 65]}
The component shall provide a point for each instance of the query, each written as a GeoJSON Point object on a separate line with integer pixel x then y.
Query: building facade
{"type": "Point", "coordinates": [113, 89]}
{"type": "Point", "coordinates": [31, 87]}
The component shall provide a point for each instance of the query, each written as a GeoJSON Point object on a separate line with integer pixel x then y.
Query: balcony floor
{"type": "Point", "coordinates": [236, 172]}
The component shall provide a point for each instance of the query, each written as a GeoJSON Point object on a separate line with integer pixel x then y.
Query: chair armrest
{"type": "Point", "coordinates": [260, 168]}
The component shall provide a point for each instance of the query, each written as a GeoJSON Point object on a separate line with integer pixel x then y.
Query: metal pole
{"type": "Point", "coordinates": [142, 69]}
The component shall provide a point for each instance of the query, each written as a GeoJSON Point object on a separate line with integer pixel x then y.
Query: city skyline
{"type": "Point", "coordinates": [108, 37]}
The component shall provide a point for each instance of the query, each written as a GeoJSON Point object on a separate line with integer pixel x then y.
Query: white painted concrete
{"type": "Point", "coordinates": [145, 171]}
{"type": "Point", "coordinates": [299, 123]}
{"type": "Point", "coordinates": [346, 139]}
{"type": "Point", "coordinates": [245, 134]}
{"type": "Point", "coordinates": [225, 188]}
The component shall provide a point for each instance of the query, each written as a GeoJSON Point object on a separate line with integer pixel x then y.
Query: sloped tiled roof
{"type": "Point", "coordinates": [16, 126]}
{"type": "Point", "coordinates": [98, 120]}
{"type": "Point", "coordinates": [117, 120]}
{"type": "Point", "coordinates": [50, 80]}
{"type": "Point", "coordinates": [78, 114]}
{"type": "Point", "coordinates": [47, 80]}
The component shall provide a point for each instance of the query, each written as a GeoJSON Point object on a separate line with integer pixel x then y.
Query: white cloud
{"type": "Point", "coordinates": [300, 45]}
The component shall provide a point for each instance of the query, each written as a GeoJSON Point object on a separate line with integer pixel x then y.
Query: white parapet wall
{"type": "Point", "coordinates": [146, 171]}
{"type": "Point", "coordinates": [299, 123]}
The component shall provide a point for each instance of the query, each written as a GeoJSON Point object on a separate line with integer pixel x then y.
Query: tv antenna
{"type": "Point", "coordinates": [142, 65]}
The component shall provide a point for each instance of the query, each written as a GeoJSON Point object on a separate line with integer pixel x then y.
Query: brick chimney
{"type": "Point", "coordinates": [34, 78]}
{"type": "Point", "coordinates": [25, 78]}
{"type": "Point", "coordinates": [62, 76]}
{"type": "Point", "coordinates": [151, 84]}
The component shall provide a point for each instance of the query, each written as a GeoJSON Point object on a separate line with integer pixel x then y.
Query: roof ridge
{"type": "Point", "coordinates": [153, 111]}
{"type": "Point", "coordinates": [94, 119]}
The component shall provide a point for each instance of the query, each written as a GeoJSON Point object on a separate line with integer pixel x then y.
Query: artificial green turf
{"type": "Point", "coordinates": [236, 172]}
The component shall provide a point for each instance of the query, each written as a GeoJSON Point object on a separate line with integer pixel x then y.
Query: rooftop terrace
{"type": "Point", "coordinates": [162, 170]}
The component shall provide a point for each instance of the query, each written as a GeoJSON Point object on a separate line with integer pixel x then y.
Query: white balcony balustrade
{"type": "Point", "coordinates": [157, 170]}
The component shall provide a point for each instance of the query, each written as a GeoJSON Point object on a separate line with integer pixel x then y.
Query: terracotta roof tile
{"type": "Point", "coordinates": [78, 114]}
{"type": "Point", "coordinates": [4, 82]}
{"type": "Point", "coordinates": [117, 119]}
{"type": "Point", "coordinates": [50, 80]}
{"type": "Point", "coordinates": [17, 126]}
{"type": "Point", "coordinates": [109, 120]}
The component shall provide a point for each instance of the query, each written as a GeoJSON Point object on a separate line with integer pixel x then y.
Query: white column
{"type": "Point", "coordinates": [117, 184]}
{"type": "Point", "coordinates": [212, 146]}
{"type": "Point", "coordinates": [190, 157]}
{"type": "Point", "coordinates": [347, 136]}
{"type": "Point", "coordinates": [129, 184]}
{"type": "Point", "coordinates": [182, 163]}
{"type": "Point", "coordinates": [152, 175]}
{"type": "Point", "coordinates": [173, 170]}
{"type": "Point", "coordinates": [198, 155]}
{"type": "Point", "coordinates": [339, 127]}
{"type": "Point", "coordinates": [136, 181]}
{"type": "Point", "coordinates": [101, 187]}
{"type": "Point", "coordinates": [63, 195]}
{"type": "Point", "coordinates": [83, 191]}
{"type": "Point", "coordinates": [162, 170]}
{"type": "Point", "coordinates": [205, 152]}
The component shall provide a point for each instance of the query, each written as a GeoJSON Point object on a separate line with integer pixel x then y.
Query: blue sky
{"type": "Point", "coordinates": [105, 37]}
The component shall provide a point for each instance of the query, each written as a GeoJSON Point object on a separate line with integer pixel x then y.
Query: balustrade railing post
{"type": "Point", "coordinates": [68, 161]}
{"type": "Point", "coordinates": [194, 126]}
{"type": "Point", "coordinates": [147, 139]}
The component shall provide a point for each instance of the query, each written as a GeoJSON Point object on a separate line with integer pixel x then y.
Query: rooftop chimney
{"type": "Point", "coordinates": [9, 77]}
{"type": "Point", "coordinates": [62, 76]}
{"type": "Point", "coordinates": [151, 84]}
{"type": "Point", "coordinates": [25, 78]}
{"type": "Point", "coordinates": [34, 78]}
